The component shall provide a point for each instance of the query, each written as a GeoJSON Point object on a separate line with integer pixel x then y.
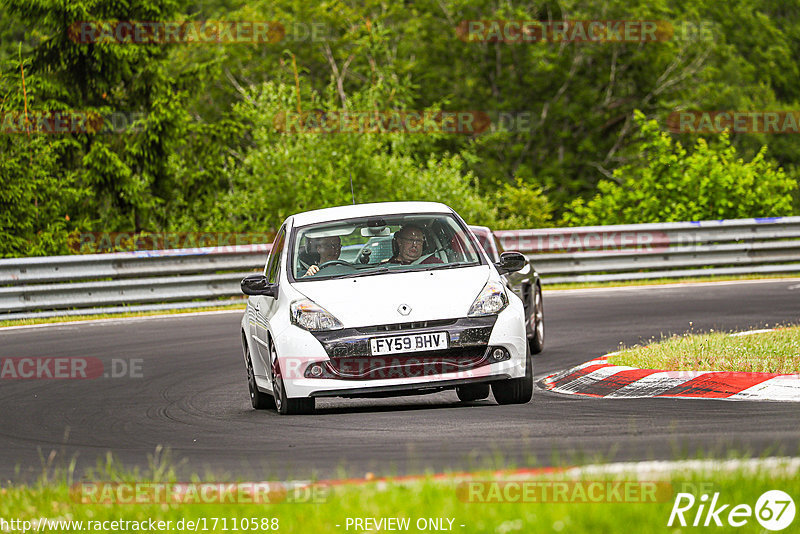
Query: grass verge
{"type": "Point", "coordinates": [586, 503]}
{"type": "Point", "coordinates": [92, 317]}
{"type": "Point", "coordinates": [662, 281]}
{"type": "Point", "coordinates": [777, 351]}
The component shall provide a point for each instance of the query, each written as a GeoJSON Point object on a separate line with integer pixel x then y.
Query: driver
{"type": "Point", "coordinates": [328, 249]}
{"type": "Point", "coordinates": [410, 242]}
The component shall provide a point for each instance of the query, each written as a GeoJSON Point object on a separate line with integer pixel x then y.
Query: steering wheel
{"type": "Point", "coordinates": [333, 262]}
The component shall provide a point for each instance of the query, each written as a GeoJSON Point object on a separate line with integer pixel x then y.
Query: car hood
{"type": "Point", "coordinates": [374, 300]}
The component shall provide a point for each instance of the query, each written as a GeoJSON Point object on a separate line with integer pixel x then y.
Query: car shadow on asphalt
{"type": "Point", "coordinates": [341, 406]}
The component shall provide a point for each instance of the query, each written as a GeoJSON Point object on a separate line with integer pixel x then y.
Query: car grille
{"type": "Point", "coordinates": [410, 365]}
{"type": "Point", "coordinates": [465, 333]}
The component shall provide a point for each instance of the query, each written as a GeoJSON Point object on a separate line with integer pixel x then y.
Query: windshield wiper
{"type": "Point", "coordinates": [450, 266]}
{"type": "Point", "coordinates": [381, 270]}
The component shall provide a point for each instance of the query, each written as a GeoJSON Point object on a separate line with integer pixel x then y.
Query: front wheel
{"type": "Point", "coordinates": [472, 392]}
{"type": "Point", "coordinates": [259, 400]}
{"type": "Point", "coordinates": [283, 404]}
{"type": "Point", "coordinates": [516, 390]}
{"type": "Point", "coordinates": [536, 341]}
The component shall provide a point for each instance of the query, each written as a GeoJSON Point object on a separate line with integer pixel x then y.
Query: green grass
{"type": "Point", "coordinates": [662, 281]}
{"type": "Point", "coordinates": [68, 318]}
{"type": "Point", "coordinates": [426, 498]}
{"type": "Point", "coordinates": [768, 352]}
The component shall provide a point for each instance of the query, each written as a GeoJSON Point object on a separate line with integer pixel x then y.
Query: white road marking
{"type": "Point", "coordinates": [120, 319]}
{"type": "Point", "coordinates": [589, 379]}
{"type": "Point", "coordinates": [751, 332]}
{"type": "Point", "coordinates": [652, 385]}
{"type": "Point", "coordinates": [650, 469]}
{"type": "Point", "coordinates": [642, 470]}
{"type": "Point", "coordinates": [780, 388]}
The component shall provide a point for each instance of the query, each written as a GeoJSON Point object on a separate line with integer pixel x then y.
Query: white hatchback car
{"type": "Point", "coordinates": [417, 307]}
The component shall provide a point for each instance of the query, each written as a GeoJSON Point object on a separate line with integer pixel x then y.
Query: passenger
{"type": "Point", "coordinates": [328, 249]}
{"type": "Point", "coordinates": [407, 245]}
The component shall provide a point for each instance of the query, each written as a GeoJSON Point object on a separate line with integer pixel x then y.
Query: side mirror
{"type": "Point", "coordinates": [256, 284]}
{"type": "Point", "coordinates": [511, 262]}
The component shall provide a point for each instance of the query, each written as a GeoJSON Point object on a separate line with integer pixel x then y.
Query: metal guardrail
{"type": "Point", "coordinates": [18, 271]}
{"type": "Point", "coordinates": [65, 285]}
{"type": "Point", "coordinates": [134, 281]}
{"type": "Point", "coordinates": [664, 250]}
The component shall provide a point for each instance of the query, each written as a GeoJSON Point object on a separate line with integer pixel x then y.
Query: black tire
{"type": "Point", "coordinates": [472, 392]}
{"type": "Point", "coordinates": [516, 390]}
{"type": "Point", "coordinates": [536, 339]}
{"type": "Point", "coordinates": [259, 400]}
{"type": "Point", "coordinates": [283, 404]}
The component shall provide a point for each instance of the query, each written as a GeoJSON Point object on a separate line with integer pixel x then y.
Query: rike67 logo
{"type": "Point", "coordinates": [774, 510]}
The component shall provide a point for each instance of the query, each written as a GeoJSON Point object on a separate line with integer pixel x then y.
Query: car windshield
{"type": "Point", "coordinates": [376, 245]}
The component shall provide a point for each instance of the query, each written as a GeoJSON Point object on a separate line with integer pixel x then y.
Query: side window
{"type": "Point", "coordinates": [497, 246]}
{"type": "Point", "coordinates": [482, 241]}
{"type": "Point", "coordinates": [273, 266]}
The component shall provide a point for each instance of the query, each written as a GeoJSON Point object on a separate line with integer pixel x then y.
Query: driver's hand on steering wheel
{"type": "Point", "coordinates": [312, 270]}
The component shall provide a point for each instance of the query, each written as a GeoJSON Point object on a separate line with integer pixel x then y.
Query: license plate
{"type": "Point", "coordinates": [408, 343]}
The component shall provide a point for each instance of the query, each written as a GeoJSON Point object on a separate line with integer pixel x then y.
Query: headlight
{"type": "Point", "coordinates": [491, 300]}
{"type": "Point", "coordinates": [310, 316]}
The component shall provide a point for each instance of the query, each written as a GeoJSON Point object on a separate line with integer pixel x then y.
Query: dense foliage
{"type": "Point", "coordinates": [577, 134]}
{"type": "Point", "coordinates": [670, 184]}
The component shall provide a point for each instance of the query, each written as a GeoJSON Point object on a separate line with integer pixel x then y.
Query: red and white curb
{"type": "Point", "coordinates": [598, 378]}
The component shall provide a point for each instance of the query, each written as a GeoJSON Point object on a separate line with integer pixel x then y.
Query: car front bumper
{"type": "Point", "coordinates": [350, 370]}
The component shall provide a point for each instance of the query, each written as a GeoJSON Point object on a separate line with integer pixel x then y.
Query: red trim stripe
{"type": "Point", "coordinates": [574, 375]}
{"type": "Point", "coordinates": [717, 385]}
{"type": "Point", "coordinates": [616, 381]}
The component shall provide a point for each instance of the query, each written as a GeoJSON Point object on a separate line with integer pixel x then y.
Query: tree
{"type": "Point", "coordinates": [35, 199]}
{"type": "Point", "coordinates": [126, 171]}
{"type": "Point", "coordinates": [667, 183]}
{"type": "Point", "coordinates": [283, 172]}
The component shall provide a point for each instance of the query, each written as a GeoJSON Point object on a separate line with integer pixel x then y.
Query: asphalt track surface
{"type": "Point", "coordinates": [193, 400]}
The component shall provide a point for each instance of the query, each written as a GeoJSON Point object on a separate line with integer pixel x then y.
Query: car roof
{"type": "Point", "coordinates": [366, 210]}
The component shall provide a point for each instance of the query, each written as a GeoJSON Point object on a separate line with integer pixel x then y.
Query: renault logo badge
{"type": "Point", "coordinates": [404, 309]}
